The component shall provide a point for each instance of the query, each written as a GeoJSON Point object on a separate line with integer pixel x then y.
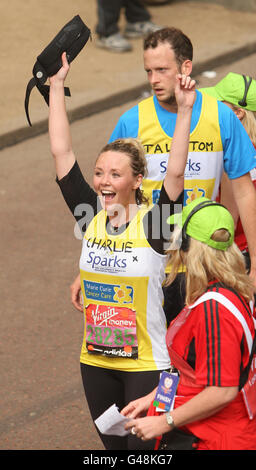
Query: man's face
{"type": "Point", "coordinates": [162, 68]}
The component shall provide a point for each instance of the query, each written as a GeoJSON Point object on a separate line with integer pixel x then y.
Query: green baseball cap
{"type": "Point", "coordinates": [239, 90]}
{"type": "Point", "coordinates": [201, 218]}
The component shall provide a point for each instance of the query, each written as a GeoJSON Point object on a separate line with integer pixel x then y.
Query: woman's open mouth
{"type": "Point", "coordinates": [108, 195]}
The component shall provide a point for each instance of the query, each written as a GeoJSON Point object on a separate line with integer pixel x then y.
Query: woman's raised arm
{"type": "Point", "coordinates": [59, 129]}
{"type": "Point", "coordinates": [185, 97]}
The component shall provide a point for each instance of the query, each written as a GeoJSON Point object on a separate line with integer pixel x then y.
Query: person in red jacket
{"type": "Point", "coordinates": [211, 342]}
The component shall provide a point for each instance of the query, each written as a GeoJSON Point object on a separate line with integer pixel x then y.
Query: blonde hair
{"type": "Point", "coordinates": [204, 264]}
{"type": "Point", "coordinates": [249, 123]}
{"type": "Point", "coordinates": [135, 151]}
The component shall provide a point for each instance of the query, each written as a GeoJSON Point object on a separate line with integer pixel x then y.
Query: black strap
{"type": "Point", "coordinates": [243, 101]}
{"type": "Point", "coordinates": [44, 90]}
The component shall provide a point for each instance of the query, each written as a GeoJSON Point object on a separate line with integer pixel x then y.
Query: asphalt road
{"type": "Point", "coordinates": [42, 400]}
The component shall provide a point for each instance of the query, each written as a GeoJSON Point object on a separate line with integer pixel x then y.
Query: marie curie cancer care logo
{"type": "Point", "coordinates": [114, 293]}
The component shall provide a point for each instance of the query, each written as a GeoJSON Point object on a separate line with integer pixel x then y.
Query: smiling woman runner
{"type": "Point", "coordinates": [122, 262]}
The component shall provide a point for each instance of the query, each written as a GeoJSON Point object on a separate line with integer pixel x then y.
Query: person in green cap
{"type": "Point", "coordinates": [238, 92]}
{"type": "Point", "coordinates": [211, 342]}
{"type": "Point", "coordinates": [236, 89]}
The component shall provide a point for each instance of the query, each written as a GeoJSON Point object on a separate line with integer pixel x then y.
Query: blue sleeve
{"type": "Point", "coordinates": [127, 125]}
{"type": "Point", "coordinates": [239, 152]}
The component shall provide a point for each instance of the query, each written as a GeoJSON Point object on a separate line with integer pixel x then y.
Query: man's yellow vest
{"type": "Point", "coordinates": [205, 158]}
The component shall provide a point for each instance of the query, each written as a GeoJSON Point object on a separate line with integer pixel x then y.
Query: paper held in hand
{"type": "Point", "coordinates": [112, 422]}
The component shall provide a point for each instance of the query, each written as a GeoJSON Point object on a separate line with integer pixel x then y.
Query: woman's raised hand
{"type": "Point", "coordinates": [60, 76]}
{"type": "Point", "coordinates": [185, 92]}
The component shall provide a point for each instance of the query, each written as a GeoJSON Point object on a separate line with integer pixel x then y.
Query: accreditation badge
{"type": "Point", "coordinates": [166, 391]}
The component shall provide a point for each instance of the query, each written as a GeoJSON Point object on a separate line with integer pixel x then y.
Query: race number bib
{"type": "Point", "coordinates": [111, 331]}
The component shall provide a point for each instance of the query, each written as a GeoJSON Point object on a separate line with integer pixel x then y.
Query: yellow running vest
{"type": "Point", "coordinates": [121, 279]}
{"type": "Point", "coordinates": [205, 158]}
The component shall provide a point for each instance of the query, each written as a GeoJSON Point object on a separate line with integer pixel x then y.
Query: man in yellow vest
{"type": "Point", "coordinates": [218, 141]}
